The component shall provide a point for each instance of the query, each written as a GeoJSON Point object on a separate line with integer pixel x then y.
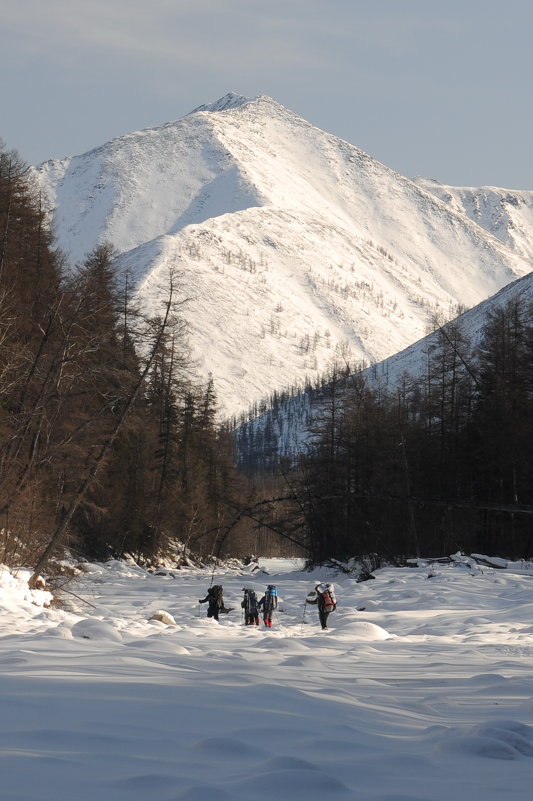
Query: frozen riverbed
{"type": "Point", "coordinates": [422, 690]}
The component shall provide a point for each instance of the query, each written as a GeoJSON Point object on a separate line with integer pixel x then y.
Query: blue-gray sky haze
{"type": "Point", "coordinates": [440, 89]}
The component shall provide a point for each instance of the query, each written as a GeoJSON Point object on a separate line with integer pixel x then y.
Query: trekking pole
{"type": "Point", "coordinates": [303, 617]}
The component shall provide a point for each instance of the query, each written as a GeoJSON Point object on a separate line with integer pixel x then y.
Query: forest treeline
{"type": "Point", "coordinates": [108, 443]}
{"type": "Point", "coordinates": [441, 463]}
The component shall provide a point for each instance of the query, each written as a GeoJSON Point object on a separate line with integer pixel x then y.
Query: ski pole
{"type": "Point", "coordinates": [303, 617]}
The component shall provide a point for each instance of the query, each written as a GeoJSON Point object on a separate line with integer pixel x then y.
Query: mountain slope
{"type": "Point", "coordinates": [505, 213]}
{"type": "Point", "coordinates": [284, 430]}
{"type": "Point", "coordinates": [291, 246]}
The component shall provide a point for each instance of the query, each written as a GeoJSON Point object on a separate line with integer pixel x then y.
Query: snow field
{"type": "Point", "coordinates": [420, 691]}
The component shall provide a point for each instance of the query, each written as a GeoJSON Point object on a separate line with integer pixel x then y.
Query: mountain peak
{"type": "Point", "coordinates": [292, 245]}
{"type": "Point", "coordinates": [229, 100]}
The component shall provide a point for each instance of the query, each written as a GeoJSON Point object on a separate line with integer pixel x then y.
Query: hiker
{"type": "Point", "coordinates": [324, 597]}
{"type": "Point", "coordinates": [268, 603]}
{"type": "Point", "coordinates": [249, 604]}
{"type": "Point", "coordinates": [214, 600]}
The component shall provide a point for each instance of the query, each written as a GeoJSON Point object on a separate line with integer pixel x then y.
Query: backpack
{"type": "Point", "coordinates": [249, 603]}
{"type": "Point", "coordinates": [271, 597]}
{"type": "Point", "coordinates": [216, 593]}
{"type": "Point", "coordinates": [328, 596]}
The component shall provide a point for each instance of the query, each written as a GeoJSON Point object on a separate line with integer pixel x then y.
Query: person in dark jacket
{"type": "Point", "coordinates": [268, 603]}
{"type": "Point", "coordinates": [214, 599]}
{"type": "Point", "coordinates": [249, 604]}
{"type": "Point", "coordinates": [324, 597]}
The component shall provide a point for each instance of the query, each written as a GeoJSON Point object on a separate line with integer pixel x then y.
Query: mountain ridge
{"type": "Point", "coordinates": [505, 213]}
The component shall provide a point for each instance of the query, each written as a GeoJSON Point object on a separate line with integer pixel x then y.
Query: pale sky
{"type": "Point", "coordinates": [440, 89]}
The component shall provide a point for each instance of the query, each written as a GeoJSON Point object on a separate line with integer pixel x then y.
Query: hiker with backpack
{"type": "Point", "coordinates": [324, 597]}
{"type": "Point", "coordinates": [268, 603]}
{"type": "Point", "coordinates": [215, 601]}
{"type": "Point", "coordinates": [250, 606]}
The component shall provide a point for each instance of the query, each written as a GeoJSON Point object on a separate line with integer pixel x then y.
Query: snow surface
{"type": "Point", "coordinates": [292, 247]}
{"type": "Point", "coordinates": [420, 691]}
{"type": "Point", "coordinates": [506, 213]}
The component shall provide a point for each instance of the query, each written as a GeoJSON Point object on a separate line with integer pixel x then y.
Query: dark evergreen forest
{"type": "Point", "coordinates": [442, 463]}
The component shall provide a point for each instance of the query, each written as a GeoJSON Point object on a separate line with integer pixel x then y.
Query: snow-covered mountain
{"type": "Point", "coordinates": [506, 213]}
{"type": "Point", "coordinates": [413, 359]}
{"type": "Point", "coordinates": [283, 431]}
{"type": "Point", "coordinates": [291, 246]}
